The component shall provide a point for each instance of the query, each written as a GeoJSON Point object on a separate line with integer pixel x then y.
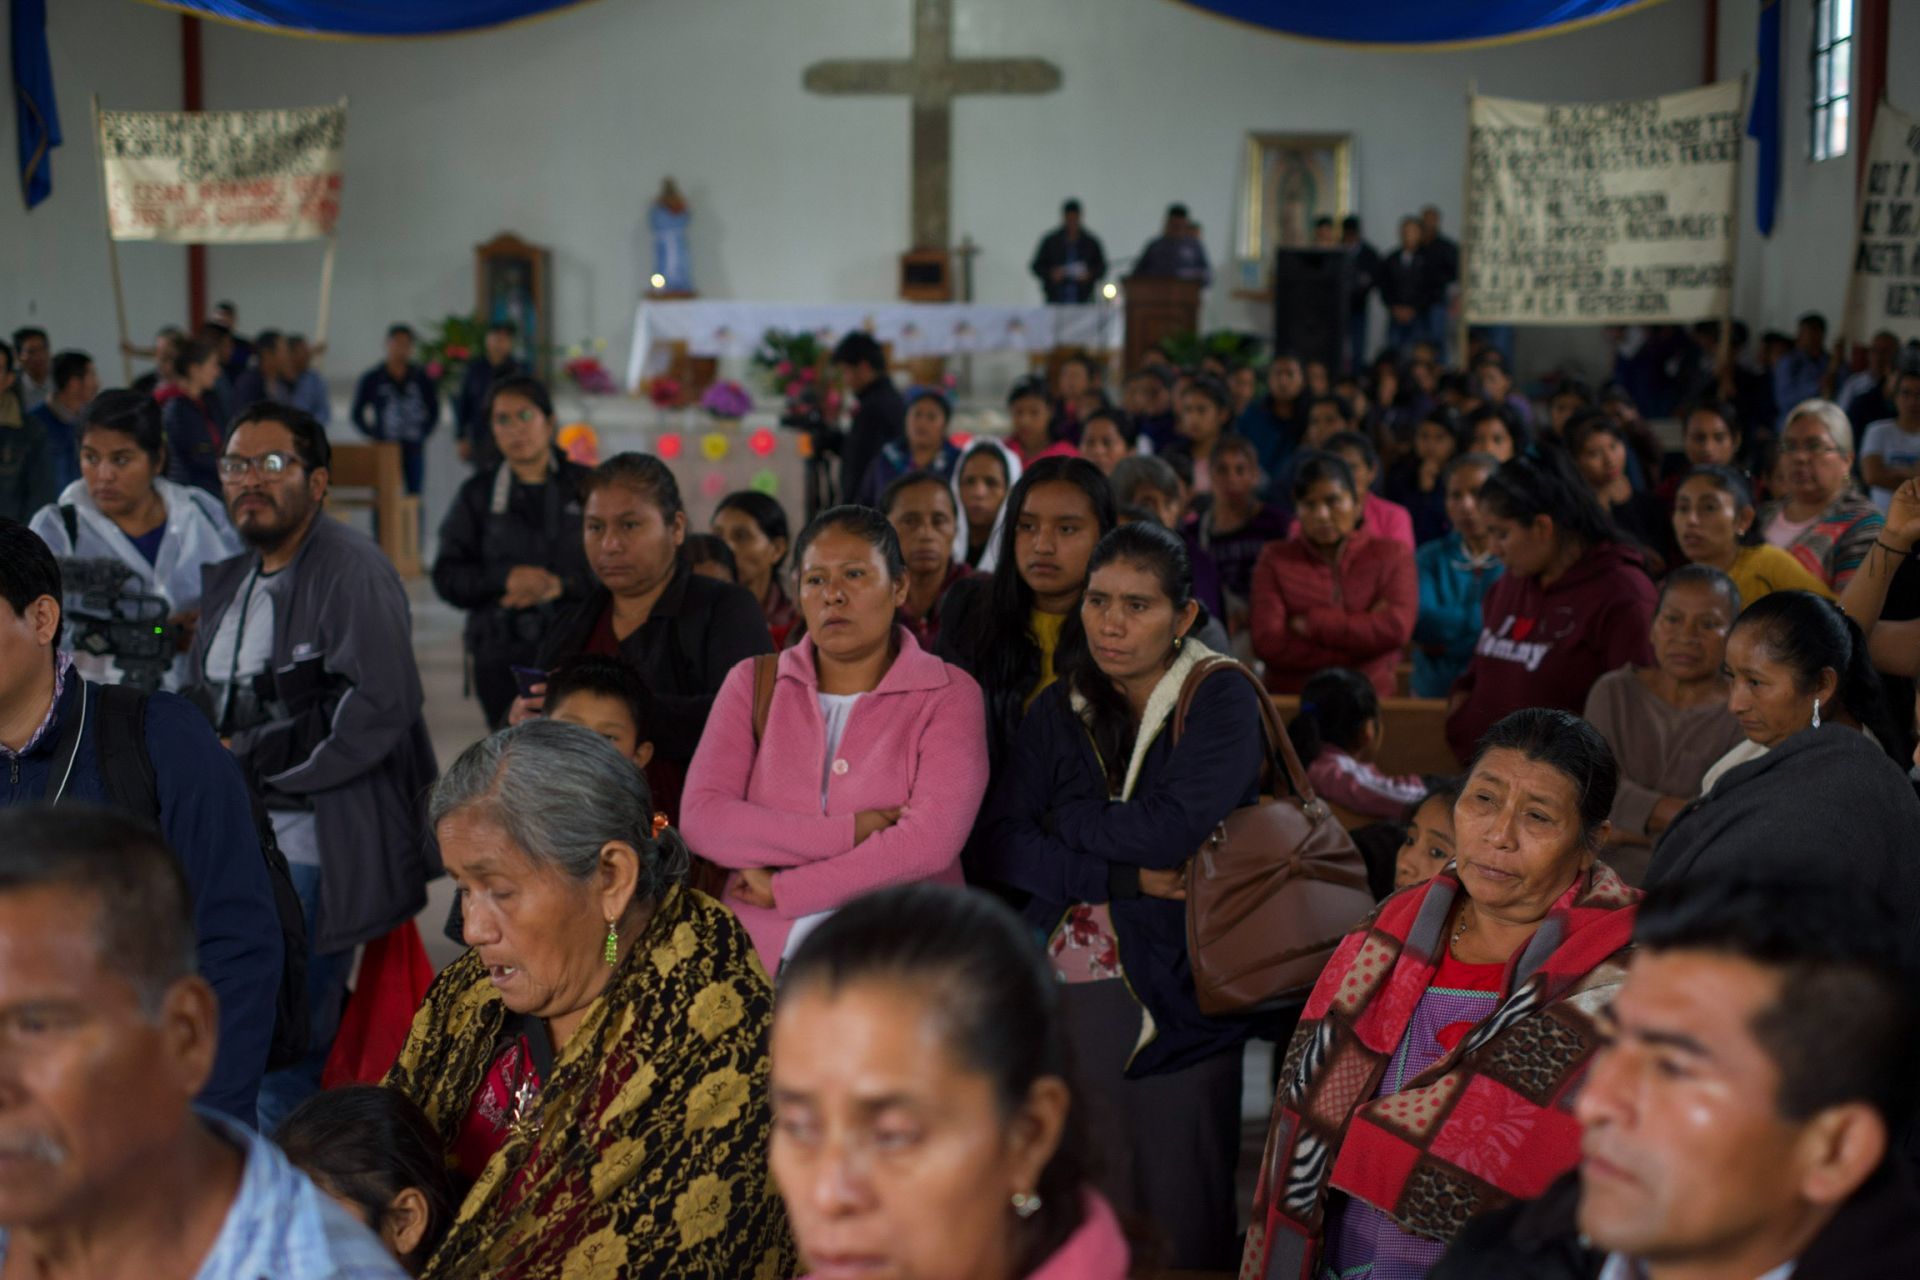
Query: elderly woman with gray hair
{"type": "Point", "coordinates": [1823, 519]}
{"type": "Point", "coordinates": [596, 1063]}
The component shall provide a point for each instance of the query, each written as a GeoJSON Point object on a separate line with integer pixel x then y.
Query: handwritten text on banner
{"type": "Point", "coordinates": [1602, 212]}
{"type": "Point", "coordinates": [1886, 257]}
{"type": "Point", "coordinates": [192, 177]}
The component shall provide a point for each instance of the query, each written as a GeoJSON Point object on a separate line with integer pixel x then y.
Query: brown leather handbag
{"type": "Point", "coordinates": [1277, 885]}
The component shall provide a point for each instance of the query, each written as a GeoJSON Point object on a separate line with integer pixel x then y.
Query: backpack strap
{"type": "Point", "coordinates": [120, 745]}
{"type": "Point", "coordinates": [766, 669]}
{"type": "Point", "coordinates": [71, 519]}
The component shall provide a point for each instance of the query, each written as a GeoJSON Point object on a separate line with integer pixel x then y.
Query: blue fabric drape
{"type": "Point", "coordinates": [36, 119]}
{"type": "Point", "coordinates": [1763, 126]}
{"type": "Point", "coordinates": [1415, 22]}
{"type": "Point", "coordinates": [371, 17]}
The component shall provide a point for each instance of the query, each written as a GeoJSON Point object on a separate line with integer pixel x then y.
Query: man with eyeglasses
{"type": "Point", "coordinates": [304, 661]}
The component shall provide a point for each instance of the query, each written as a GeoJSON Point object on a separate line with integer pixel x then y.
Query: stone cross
{"type": "Point", "coordinates": [933, 78]}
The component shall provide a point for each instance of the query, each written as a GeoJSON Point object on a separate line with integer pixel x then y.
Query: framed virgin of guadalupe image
{"type": "Point", "coordinates": [510, 277]}
{"type": "Point", "coordinates": [1292, 181]}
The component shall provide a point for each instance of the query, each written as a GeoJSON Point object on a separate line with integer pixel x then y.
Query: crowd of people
{"type": "Point", "coordinates": [825, 882]}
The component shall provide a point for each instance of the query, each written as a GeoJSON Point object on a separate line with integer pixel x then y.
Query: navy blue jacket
{"type": "Point", "coordinates": [1054, 833]}
{"type": "Point", "coordinates": [208, 822]}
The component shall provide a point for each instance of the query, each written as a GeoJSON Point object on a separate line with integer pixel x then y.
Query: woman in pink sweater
{"type": "Point", "coordinates": [872, 761]}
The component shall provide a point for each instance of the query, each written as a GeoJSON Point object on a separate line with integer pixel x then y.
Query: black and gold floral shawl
{"type": "Point", "coordinates": [650, 1158]}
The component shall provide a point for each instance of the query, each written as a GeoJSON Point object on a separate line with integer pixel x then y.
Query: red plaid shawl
{"type": "Point", "coordinates": [1488, 1123]}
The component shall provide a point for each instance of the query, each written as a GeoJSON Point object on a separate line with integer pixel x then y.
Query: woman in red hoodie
{"type": "Point", "coordinates": [1336, 596]}
{"type": "Point", "coordinates": [1574, 603]}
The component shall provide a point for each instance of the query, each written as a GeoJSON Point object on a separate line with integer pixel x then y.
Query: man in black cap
{"type": "Point", "coordinates": [1070, 261]}
{"type": "Point", "coordinates": [1177, 252]}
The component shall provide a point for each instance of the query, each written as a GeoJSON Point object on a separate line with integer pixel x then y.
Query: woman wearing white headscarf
{"type": "Point", "coordinates": [987, 472]}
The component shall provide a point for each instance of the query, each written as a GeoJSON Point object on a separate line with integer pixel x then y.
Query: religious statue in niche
{"type": "Point", "coordinates": [667, 219]}
{"type": "Point", "coordinates": [1292, 181]}
{"type": "Point", "coordinates": [510, 281]}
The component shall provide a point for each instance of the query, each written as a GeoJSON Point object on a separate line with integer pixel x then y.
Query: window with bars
{"type": "Point", "coordinates": [1830, 101]}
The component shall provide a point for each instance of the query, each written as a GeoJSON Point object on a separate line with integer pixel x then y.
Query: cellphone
{"type": "Point", "coordinates": [526, 678]}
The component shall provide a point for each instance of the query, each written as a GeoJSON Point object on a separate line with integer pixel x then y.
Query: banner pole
{"type": "Point", "coordinates": [1466, 213]}
{"type": "Point", "coordinates": [1723, 370]}
{"type": "Point", "coordinates": [326, 298]}
{"type": "Point", "coordinates": [113, 249]}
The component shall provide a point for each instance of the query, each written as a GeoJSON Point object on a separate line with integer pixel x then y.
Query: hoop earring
{"type": "Point", "coordinates": [1816, 713]}
{"type": "Point", "coordinates": [612, 952]}
{"type": "Point", "coordinates": [1026, 1204]}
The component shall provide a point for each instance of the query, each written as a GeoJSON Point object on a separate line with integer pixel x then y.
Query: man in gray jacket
{"type": "Point", "coordinates": [304, 661]}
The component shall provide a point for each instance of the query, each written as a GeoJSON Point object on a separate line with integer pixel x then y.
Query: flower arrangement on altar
{"type": "Point", "coordinates": [1230, 347]}
{"type": "Point", "coordinates": [786, 357]}
{"type": "Point", "coordinates": [584, 370]}
{"type": "Point", "coordinates": [727, 399]}
{"type": "Point", "coordinates": [665, 392]}
{"type": "Point", "coordinates": [445, 348]}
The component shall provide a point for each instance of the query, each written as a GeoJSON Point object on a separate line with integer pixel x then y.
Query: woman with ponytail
{"type": "Point", "coordinates": [1574, 603]}
{"type": "Point", "coordinates": [1819, 790]}
{"type": "Point", "coordinates": [1095, 817]}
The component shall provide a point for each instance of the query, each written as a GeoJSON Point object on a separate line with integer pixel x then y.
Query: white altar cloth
{"type": "Point", "coordinates": [724, 328]}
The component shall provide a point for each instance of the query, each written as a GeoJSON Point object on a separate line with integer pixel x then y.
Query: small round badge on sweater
{"type": "Point", "coordinates": [839, 766]}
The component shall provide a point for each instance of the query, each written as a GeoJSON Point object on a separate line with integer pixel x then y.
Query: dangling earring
{"type": "Point", "coordinates": [612, 953]}
{"type": "Point", "coordinates": [1816, 713]}
{"type": "Point", "coordinates": [1026, 1203]}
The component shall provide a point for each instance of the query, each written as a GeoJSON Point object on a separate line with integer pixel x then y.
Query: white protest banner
{"type": "Point", "coordinates": [1602, 212]}
{"type": "Point", "coordinates": [1885, 290]}
{"type": "Point", "coordinates": [223, 177]}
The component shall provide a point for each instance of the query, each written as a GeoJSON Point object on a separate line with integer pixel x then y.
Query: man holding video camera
{"type": "Point", "coordinates": [304, 661]}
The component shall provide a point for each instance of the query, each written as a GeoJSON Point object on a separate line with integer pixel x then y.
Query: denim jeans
{"type": "Point", "coordinates": [283, 1090]}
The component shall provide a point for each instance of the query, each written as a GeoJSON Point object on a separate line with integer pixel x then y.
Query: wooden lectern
{"type": "Point", "coordinates": [1158, 308]}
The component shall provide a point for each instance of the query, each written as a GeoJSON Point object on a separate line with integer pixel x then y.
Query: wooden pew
{"type": "Point", "coordinates": [368, 477]}
{"type": "Point", "coordinates": [1416, 734]}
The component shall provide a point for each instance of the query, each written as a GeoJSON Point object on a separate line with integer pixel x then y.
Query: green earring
{"type": "Point", "coordinates": [612, 952]}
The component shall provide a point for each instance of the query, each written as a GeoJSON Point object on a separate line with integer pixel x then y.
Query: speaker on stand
{"type": "Point", "coordinates": [1310, 288]}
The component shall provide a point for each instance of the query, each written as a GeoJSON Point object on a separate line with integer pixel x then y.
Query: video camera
{"type": "Point", "coordinates": [108, 615]}
{"type": "Point", "coordinates": [804, 413]}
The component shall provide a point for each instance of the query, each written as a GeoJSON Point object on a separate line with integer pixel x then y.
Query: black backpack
{"type": "Point", "coordinates": [127, 771]}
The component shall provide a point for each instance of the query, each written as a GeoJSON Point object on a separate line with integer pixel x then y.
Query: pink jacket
{"type": "Point", "coordinates": [1095, 1251]}
{"type": "Point", "coordinates": [919, 740]}
{"type": "Point", "coordinates": [1354, 784]}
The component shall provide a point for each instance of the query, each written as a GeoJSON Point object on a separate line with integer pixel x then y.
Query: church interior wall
{"type": "Point", "coordinates": [561, 129]}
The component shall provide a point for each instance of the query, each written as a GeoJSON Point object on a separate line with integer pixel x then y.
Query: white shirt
{"type": "Point", "coordinates": [835, 710]}
{"type": "Point", "coordinates": [1620, 1267]}
{"type": "Point", "coordinates": [1894, 446]}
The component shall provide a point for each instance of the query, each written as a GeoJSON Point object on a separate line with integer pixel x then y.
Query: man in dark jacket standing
{"type": "Point", "coordinates": [1363, 268]}
{"type": "Point", "coordinates": [881, 417]}
{"type": "Point", "coordinates": [1070, 262]}
{"type": "Point", "coordinates": [1406, 289]}
{"type": "Point", "coordinates": [495, 363]}
{"type": "Point", "coordinates": [50, 744]}
{"type": "Point", "coordinates": [304, 660]}
{"type": "Point", "coordinates": [396, 400]}
{"type": "Point", "coordinates": [1745, 1114]}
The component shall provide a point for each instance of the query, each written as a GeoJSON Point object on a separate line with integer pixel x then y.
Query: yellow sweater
{"type": "Point", "coordinates": [1764, 569]}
